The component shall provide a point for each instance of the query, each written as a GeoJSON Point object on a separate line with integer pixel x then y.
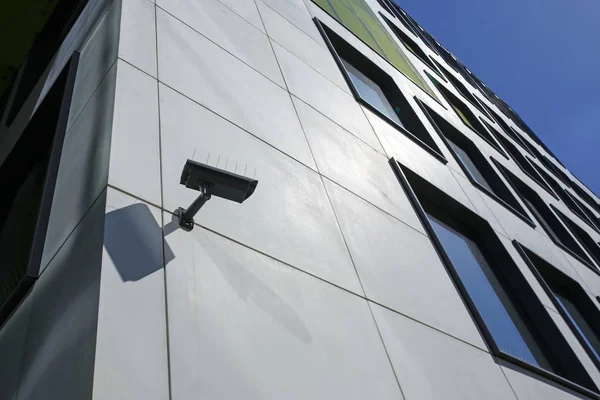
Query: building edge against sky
{"type": "Point", "coordinates": [409, 238]}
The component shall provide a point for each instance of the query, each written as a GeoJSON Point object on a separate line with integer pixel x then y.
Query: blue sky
{"type": "Point", "coordinates": [541, 56]}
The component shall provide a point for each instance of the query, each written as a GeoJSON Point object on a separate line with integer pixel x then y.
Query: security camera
{"type": "Point", "coordinates": [211, 181]}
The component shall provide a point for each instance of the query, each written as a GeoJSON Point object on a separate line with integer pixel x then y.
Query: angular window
{"type": "Point", "coordinates": [515, 324]}
{"type": "Point", "coordinates": [555, 170]}
{"type": "Point", "coordinates": [585, 239]}
{"type": "Point", "coordinates": [475, 165]}
{"type": "Point", "coordinates": [571, 301]}
{"type": "Point", "coordinates": [522, 162]}
{"type": "Point", "coordinates": [28, 178]}
{"type": "Point", "coordinates": [466, 115]}
{"type": "Point", "coordinates": [377, 91]}
{"type": "Point", "coordinates": [358, 17]}
{"type": "Point", "coordinates": [462, 89]}
{"type": "Point", "coordinates": [570, 201]}
{"type": "Point", "coordinates": [593, 203]}
{"type": "Point", "coordinates": [546, 217]}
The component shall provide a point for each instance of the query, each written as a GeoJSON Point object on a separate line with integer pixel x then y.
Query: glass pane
{"type": "Point", "coordinates": [581, 324]}
{"type": "Point", "coordinates": [470, 166]}
{"type": "Point", "coordinates": [371, 92]}
{"type": "Point", "coordinates": [541, 219]}
{"type": "Point", "coordinates": [497, 310]}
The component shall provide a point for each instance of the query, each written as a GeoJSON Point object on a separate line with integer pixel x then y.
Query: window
{"type": "Point", "coordinates": [570, 201]}
{"type": "Point", "coordinates": [466, 115]}
{"type": "Point", "coordinates": [547, 219]}
{"type": "Point", "coordinates": [515, 324]}
{"type": "Point", "coordinates": [571, 301]}
{"type": "Point", "coordinates": [475, 165]}
{"type": "Point", "coordinates": [462, 89]}
{"type": "Point", "coordinates": [555, 170]}
{"type": "Point", "coordinates": [46, 44]}
{"type": "Point", "coordinates": [585, 239]}
{"type": "Point", "coordinates": [585, 196]}
{"type": "Point", "coordinates": [413, 47]}
{"type": "Point", "coordinates": [358, 17]}
{"type": "Point", "coordinates": [522, 162]}
{"type": "Point", "coordinates": [377, 91]}
{"type": "Point", "coordinates": [27, 179]}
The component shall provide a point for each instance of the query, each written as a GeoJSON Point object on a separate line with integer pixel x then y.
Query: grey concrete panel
{"type": "Point", "coordinates": [296, 12]}
{"type": "Point", "coordinates": [202, 71]}
{"type": "Point", "coordinates": [59, 357]}
{"type": "Point", "coordinates": [137, 40]}
{"type": "Point", "coordinates": [134, 154]}
{"type": "Point", "coordinates": [288, 216]}
{"type": "Point", "coordinates": [320, 93]}
{"type": "Point", "coordinates": [351, 163]}
{"type": "Point", "coordinates": [400, 268]}
{"type": "Point", "coordinates": [228, 30]}
{"type": "Point", "coordinates": [301, 45]}
{"type": "Point", "coordinates": [431, 365]}
{"type": "Point", "coordinates": [131, 345]}
{"type": "Point", "coordinates": [13, 339]}
{"type": "Point", "coordinates": [83, 169]}
{"type": "Point", "coordinates": [247, 10]}
{"type": "Point", "coordinates": [529, 386]}
{"type": "Point", "coordinates": [244, 326]}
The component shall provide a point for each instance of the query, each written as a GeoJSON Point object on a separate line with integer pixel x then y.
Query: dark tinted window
{"type": "Point", "coordinates": [507, 326]}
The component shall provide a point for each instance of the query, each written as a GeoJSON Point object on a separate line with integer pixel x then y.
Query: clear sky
{"type": "Point", "coordinates": [541, 56]}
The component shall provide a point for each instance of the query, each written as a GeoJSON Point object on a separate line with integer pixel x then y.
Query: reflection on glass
{"type": "Point", "coordinates": [509, 330]}
{"type": "Point", "coordinates": [470, 166]}
{"type": "Point", "coordinates": [371, 92]}
{"type": "Point", "coordinates": [580, 323]}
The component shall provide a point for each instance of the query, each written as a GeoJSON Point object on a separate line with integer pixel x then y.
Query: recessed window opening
{"type": "Point", "coordinates": [28, 178]}
{"type": "Point", "coordinates": [377, 91]}
{"type": "Point", "coordinates": [571, 301]}
{"type": "Point", "coordinates": [547, 219]}
{"type": "Point", "coordinates": [515, 324]}
{"type": "Point", "coordinates": [584, 238]}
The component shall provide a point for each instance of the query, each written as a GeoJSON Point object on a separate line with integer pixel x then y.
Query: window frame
{"type": "Point", "coordinates": [559, 231]}
{"type": "Point", "coordinates": [523, 163]}
{"type": "Point", "coordinates": [526, 298]}
{"type": "Point", "coordinates": [374, 71]}
{"type": "Point", "coordinates": [65, 88]}
{"type": "Point", "coordinates": [571, 286]}
{"type": "Point", "coordinates": [577, 233]}
{"type": "Point", "coordinates": [464, 108]}
{"type": "Point", "coordinates": [481, 163]}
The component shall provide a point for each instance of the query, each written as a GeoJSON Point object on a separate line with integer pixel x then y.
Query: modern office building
{"type": "Point", "coordinates": [409, 237]}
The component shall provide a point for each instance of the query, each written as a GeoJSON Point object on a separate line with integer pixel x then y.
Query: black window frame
{"type": "Point", "coordinates": [499, 190]}
{"type": "Point", "coordinates": [54, 107]}
{"type": "Point", "coordinates": [584, 238]}
{"type": "Point", "coordinates": [588, 199]}
{"type": "Point", "coordinates": [551, 339]}
{"type": "Point", "coordinates": [462, 89]}
{"type": "Point", "coordinates": [456, 103]}
{"type": "Point", "coordinates": [570, 201]}
{"type": "Point", "coordinates": [45, 46]}
{"type": "Point", "coordinates": [559, 233]}
{"type": "Point", "coordinates": [557, 278]}
{"type": "Point", "coordinates": [524, 164]}
{"type": "Point", "coordinates": [415, 129]}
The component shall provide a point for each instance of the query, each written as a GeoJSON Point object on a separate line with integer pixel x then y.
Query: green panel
{"type": "Point", "coordinates": [354, 23]}
{"type": "Point", "coordinates": [358, 17]}
{"type": "Point", "coordinates": [325, 5]}
{"type": "Point", "coordinates": [462, 116]}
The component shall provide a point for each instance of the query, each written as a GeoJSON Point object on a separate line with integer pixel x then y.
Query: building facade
{"type": "Point", "coordinates": [409, 238]}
